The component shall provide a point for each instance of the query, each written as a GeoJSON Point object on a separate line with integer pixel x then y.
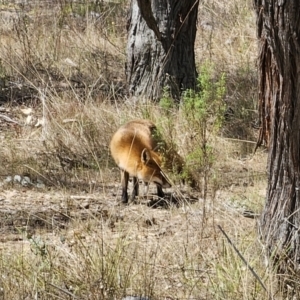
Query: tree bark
{"type": "Point", "coordinates": [278, 29]}
{"type": "Point", "coordinates": [160, 48]}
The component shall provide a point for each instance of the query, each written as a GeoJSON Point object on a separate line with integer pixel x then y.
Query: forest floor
{"type": "Point", "coordinates": [60, 218]}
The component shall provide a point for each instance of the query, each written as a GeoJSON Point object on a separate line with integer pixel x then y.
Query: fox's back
{"type": "Point", "coordinates": [129, 141]}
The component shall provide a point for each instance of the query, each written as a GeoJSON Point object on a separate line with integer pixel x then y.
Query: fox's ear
{"type": "Point", "coordinates": [145, 157]}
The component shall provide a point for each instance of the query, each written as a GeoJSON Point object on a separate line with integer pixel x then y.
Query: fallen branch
{"type": "Point", "coordinates": [8, 119]}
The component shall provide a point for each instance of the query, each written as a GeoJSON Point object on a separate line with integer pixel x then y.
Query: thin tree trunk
{"type": "Point", "coordinates": [278, 25]}
{"type": "Point", "coordinates": [160, 48]}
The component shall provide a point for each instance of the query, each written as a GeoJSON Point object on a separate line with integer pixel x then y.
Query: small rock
{"type": "Point", "coordinates": [26, 181]}
{"type": "Point", "coordinates": [8, 179]}
{"type": "Point", "coordinates": [27, 111]}
{"type": "Point", "coordinates": [17, 179]}
{"type": "Point", "coordinates": [40, 184]}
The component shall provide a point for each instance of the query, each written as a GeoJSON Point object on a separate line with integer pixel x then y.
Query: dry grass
{"type": "Point", "coordinates": [68, 238]}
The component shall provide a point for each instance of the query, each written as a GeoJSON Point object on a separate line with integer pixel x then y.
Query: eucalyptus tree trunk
{"type": "Point", "coordinates": [160, 48]}
{"type": "Point", "coordinates": [278, 28]}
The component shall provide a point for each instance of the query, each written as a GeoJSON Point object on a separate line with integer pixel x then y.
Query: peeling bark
{"type": "Point", "coordinates": [278, 29]}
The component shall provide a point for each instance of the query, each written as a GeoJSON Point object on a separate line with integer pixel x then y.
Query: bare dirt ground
{"type": "Point", "coordinates": [28, 211]}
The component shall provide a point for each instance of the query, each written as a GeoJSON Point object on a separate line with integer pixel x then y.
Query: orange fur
{"type": "Point", "coordinates": [132, 147]}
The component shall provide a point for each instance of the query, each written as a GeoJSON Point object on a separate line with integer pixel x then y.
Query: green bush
{"type": "Point", "coordinates": [203, 110]}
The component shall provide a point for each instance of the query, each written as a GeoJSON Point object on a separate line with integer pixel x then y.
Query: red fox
{"type": "Point", "coordinates": [133, 149]}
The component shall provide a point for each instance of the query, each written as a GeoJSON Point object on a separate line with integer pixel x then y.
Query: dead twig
{"type": "Point", "coordinates": [245, 261]}
{"type": "Point", "coordinates": [63, 290]}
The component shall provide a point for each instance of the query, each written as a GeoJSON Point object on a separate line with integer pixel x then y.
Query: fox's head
{"type": "Point", "coordinates": [149, 169]}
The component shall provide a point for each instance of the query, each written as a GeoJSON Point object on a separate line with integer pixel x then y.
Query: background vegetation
{"type": "Point", "coordinates": [63, 94]}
